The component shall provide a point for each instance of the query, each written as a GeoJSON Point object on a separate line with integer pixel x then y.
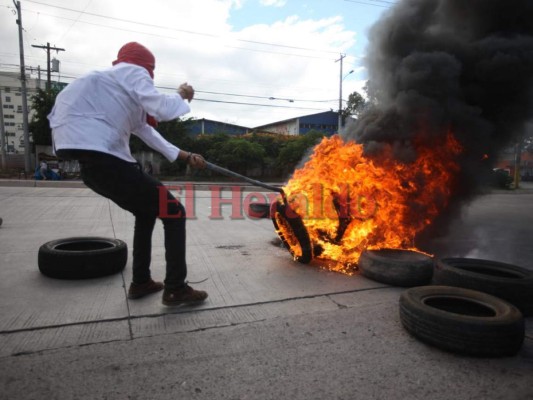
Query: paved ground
{"type": "Point", "coordinates": [271, 328]}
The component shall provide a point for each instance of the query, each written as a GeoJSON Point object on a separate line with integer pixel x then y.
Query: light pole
{"type": "Point", "coordinates": [341, 78]}
{"type": "Point", "coordinates": [2, 134]}
{"type": "Point", "coordinates": [340, 97]}
{"type": "Point", "coordinates": [27, 159]}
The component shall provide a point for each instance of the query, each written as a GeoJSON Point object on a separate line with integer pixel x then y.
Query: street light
{"type": "Point", "coordinates": [340, 95]}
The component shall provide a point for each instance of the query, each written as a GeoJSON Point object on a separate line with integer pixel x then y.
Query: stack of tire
{"type": "Point", "coordinates": [468, 306]}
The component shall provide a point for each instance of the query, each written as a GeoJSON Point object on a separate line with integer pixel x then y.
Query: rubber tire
{"type": "Point", "coordinates": [280, 210]}
{"type": "Point", "coordinates": [82, 257]}
{"type": "Point", "coordinates": [259, 210]}
{"type": "Point", "coordinates": [507, 281]}
{"type": "Point", "coordinates": [396, 267]}
{"type": "Point", "coordinates": [497, 335]}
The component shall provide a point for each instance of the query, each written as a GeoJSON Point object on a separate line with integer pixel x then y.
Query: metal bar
{"type": "Point", "coordinates": [227, 172]}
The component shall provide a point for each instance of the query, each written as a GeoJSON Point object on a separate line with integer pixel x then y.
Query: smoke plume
{"type": "Point", "coordinates": [440, 66]}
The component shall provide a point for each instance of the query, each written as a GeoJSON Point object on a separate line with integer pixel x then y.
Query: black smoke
{"type": "Point", "coordinates": [441, 65]}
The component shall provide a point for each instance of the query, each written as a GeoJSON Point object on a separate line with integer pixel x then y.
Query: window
{"type": "Point", "coordinates": [8, 106]}
{"type": "Point", "coordinates": [8, 99]}
{"type": "Point", "coordinates": [9, 116]}
{"type": "Point", "coordinates": [7, 89]}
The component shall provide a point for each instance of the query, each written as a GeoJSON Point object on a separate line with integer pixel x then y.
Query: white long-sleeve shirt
{"type": "Point", "coordinates": [100, 111]}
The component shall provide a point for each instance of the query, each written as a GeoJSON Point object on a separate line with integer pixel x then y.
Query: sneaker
{"type": "Point", "coordinates": [186, 294]}
{"type": "Point", "coordinates": [138, 290]}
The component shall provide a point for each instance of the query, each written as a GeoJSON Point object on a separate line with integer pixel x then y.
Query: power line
{"type": "Point", "coordinates": [171, 37]}
{"type": "Point", "coordinates": [219, 101]}
{"type": "Point", "coordinates": [367, 4]}
{"type": "Point", "coordinates": [253, 96]}
{"type": "Point", "coordinates": [383, 1]}
{"type": "Point", "coordinates": [257, 104]}
{"type": "Point", "coordinates": [74, 22]}
{"type": "Point", "coordinates": [180, 30]}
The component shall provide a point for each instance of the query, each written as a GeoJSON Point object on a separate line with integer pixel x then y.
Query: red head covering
{"type": "Point", "coordinates": [135, 53]}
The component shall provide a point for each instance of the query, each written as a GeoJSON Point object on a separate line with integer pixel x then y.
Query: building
{"type": "Point", "coordinates": [507, 162]}
{"type": "Point", "coordinates": [11, 108]}
{"type": "Point", "coordinates": [327, 122]}
{"type": "Point", "coordinates": [211, 127]}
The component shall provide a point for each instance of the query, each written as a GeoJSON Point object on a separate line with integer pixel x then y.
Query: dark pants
{"type": "Point", "coordinates": [134, 190]}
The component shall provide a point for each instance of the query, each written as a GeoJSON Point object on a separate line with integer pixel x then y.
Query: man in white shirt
{"type": "Point", "coordinates": [92, 121]}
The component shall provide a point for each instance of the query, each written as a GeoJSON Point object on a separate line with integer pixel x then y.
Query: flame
{"type": "Point", "coordinates": [350, 202]}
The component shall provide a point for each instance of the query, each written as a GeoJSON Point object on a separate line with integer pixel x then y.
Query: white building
{"type": "Point", "coordinates": [11, 108]}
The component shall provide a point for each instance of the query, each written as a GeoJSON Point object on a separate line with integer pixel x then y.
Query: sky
{"type": "Point", "coordinates": [251, 62]}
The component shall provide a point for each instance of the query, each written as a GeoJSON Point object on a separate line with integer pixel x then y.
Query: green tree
{"type": "Point", "coordinates": [272, 143]}
{"type": "Point", "coordinates": [296, 149]}
{"type": "Point", "coordinates": [42, 103]}
{"type": "Point", "coordinates": [355, 105]}
{"type": "Point", "coordinates": [237, 154]}
{"type": "Point", "coordinates": [175, 131]}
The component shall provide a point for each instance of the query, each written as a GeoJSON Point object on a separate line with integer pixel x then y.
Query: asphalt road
{"type": "Point", "coordinates": [271, 328]}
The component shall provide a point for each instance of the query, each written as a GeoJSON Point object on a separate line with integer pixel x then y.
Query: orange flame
{"type": "Point", "coordinates": [350, 202]}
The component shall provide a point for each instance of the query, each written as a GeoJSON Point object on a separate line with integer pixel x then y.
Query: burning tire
{"type": "Point", "coordinates": [396, 267]}
{"type": "Point", "coordinates": [507, 281]}
{"type": "Point", "coordinates": [259, 210]}
{"type": "Point", "coordinates": [462, 321]}
{"type": "Point", "coordinates": [292, 232]}
{"type": "Point", "coordinates": [82, 257]}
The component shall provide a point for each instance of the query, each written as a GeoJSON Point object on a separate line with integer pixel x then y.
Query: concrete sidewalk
{"type": "Point", "coordinates": [271, 328]}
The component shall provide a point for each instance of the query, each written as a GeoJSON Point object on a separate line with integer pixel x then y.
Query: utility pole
{"type": "Point", "coordinates": [340, 92]}
{"type": "Point", "coordinates": [517, 162]}
{"type": "Point", "coordinates": [2, 133]}
{"type": "Point", "coordinates": [48, 48]}
{"type": "Point", "coordinates": [27, 158]}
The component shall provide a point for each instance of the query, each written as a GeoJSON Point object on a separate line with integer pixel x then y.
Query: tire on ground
{"type": "Point", "coordinates": [507, 281]}
{"type": "Point", "coordinates": [397, 267]}
{"type": "Point", "coordinates": [462, 321]}
{"type": "Point", "coordinates": [82, 257]}
{"type": "Point", "coordinates": [292, 232]}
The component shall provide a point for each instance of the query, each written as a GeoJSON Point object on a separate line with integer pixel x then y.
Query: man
{"type": "Point", "coordinates": [43, 169]}
{"type": "Point", "coordinates": [92, 120]}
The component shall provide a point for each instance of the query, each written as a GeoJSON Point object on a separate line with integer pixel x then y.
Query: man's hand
{"type": "Point", "coordinates": [194, 160]}
{"type": "Point", "coordinates": [186, 91]}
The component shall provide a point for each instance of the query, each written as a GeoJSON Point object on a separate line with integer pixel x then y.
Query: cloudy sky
{"type": "Point", "coordinates": [238, 54]}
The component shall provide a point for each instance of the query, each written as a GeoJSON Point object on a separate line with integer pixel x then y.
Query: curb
{"type": "Point", "coordinates": [81, 185]}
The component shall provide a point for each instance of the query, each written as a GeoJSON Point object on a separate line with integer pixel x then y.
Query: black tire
{"type": "Point", "coordinates": [82, 257]}
{"type": "Point", "coordinates": [506, 281]}
{"type": "Point", "coordinates": [397, 267]}
{"type": "Point", "coordinates": [292, 232]}
{"type": "Point", "coordinates": [462, 321]}
{"type": "Point", "coordinates": [259, 210]}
